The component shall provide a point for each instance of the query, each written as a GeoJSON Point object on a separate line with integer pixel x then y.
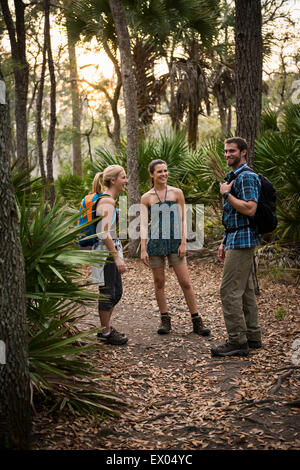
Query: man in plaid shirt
{"type": "Point", "coordinates": [240, 196]}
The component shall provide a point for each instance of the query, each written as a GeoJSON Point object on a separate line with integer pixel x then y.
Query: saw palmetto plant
{"type": "Point", "coordinates": [278, 158]}
{"type": "Point", "coordinates": [61, 369]}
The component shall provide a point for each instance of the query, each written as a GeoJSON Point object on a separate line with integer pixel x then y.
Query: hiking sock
{"type": "Point", "coordinates": [104, 335]}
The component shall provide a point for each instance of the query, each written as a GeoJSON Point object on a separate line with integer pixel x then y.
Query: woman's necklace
{"type": "Point", "coordinates": [163, 196]}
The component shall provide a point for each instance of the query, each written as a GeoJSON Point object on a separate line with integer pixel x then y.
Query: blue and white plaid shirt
{"type": "Point", "coordinates": [246, 187]}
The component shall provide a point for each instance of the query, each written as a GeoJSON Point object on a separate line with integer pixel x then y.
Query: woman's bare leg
{"type": "Point", "coordinates": [182, 273]}
{"type": "Point", "coordinates": [159, 288]}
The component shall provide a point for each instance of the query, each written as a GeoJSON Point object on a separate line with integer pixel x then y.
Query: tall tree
{"type": "Point", "coordinates": [17, 39]}
{"type": "Point", "coordinates": [248, 71]}
{"type": "Point", "coordinates": [94, 19]}
{"type": "Point", "coordinates": [76, 107]}
{"type": "Point", "coordinates": [51, 132]}
{"type": "Point", "coordinates": [130, 101]}
{"type": "Point", "coordinates": [15, 414]}
{"type": "Point", "coordinates": [38, 118]}
{"type": "Point", "coordinates": [47, 58]}
{"type": "Point", "coordinates": [194, 26]}
{"type": "Point", "coordinates": [222, 81]}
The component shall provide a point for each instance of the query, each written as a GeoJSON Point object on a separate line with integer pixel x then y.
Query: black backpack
{"type": "Point", "coordinates": [265, 218]}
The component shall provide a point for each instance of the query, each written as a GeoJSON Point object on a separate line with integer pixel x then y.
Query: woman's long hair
{"type": "Point", "coordinates": [151, 168]}
{"type": "Point", "coordinates": [103, 179]}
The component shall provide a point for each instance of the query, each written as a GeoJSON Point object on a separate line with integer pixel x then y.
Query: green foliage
{"type": "Point", "coordinates": [59, 363]}
{"type": "Point", "coordinates": [89, 19]}
{"type": "Point", "coordinates": [269, 120]}
{"type": "Point", "coordinates": [278, 158]}
{"type": "Point", "coordinates": [280, 313]}
{"type": "Point", "coordinates": [153, 18]}
{"type": "Point", "coordinates": [172, 148]}
{"type": "Point", "coordinates": [204, 169]}
{"type": "Point", "coordinates": [26, 188]}
{"type": "Point", "coordinates": [51, 257]}
{"type": "Point", "coordinates": [71, 189]}
{"type": "Point", "coordinates": [162, 18]}
{"type": "Point", "coordinates": [290, 120]}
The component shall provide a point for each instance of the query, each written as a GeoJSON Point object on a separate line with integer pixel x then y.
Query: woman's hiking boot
{"type": "Point", "coordinates": [115, 337]}
{"type": "Point", "coordinates": [198, 327]}
{"type": "Point", "coordinates": [165, 326]}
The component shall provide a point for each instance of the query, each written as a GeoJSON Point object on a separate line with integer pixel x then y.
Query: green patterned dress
{"type": "Point", "coordinates": [164, 236]}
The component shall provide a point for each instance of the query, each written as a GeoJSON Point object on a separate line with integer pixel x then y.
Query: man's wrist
{"type": "Point", "coordinates": [225, 195]}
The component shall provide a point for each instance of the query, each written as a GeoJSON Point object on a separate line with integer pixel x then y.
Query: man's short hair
{"type": "Point", "coordinates": [239, 141]}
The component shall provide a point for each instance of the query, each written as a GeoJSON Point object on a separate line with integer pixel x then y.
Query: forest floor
{"type": "Point", "coordinates": [177, 395]}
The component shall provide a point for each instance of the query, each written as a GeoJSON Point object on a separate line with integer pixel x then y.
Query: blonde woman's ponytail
{"type": "Point", "coordinates": [98, 182]}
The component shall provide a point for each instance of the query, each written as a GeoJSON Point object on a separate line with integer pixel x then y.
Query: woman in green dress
{"type": "Point", "coordinates": [165, 205]}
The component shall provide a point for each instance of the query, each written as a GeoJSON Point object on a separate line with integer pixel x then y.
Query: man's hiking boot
{"type": "Point", "coordinates": [254, 344]}
{"type": "Point", "coordinates": [198, 327]}
{"type": "Point", "coordinates": [165, 326]}
{"type": "Point", "coordinates": [115, 337]}
{"type": "Point", "coordinates": [229, 349]}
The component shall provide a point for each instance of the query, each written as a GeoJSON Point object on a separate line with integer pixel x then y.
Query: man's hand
{"type": "Point", "coordinates": [247, 208]}
{"type": "Point", "coordinates": [225, 187]}
{"type": "Point", "coordinates": [221, 253]}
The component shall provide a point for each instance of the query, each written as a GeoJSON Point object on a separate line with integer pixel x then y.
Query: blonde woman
{"type": "Point", "coordinates": [111, 182]}
{"type": "Point", "coordinates": [166, 238]}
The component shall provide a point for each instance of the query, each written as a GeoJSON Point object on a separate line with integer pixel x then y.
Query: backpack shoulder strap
{"type": "Point", "coordinates": [101, 196]}
{"type": "Point", "coordinates": [243, 171]}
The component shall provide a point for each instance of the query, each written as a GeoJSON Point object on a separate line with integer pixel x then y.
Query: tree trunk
{"type": "Point", "coordinates": [129, 92]}
{"type": "Point", "coordinates": [21, 71]}
{"type": "Point", "coordinates": [76, 109]}
{"type": "Point", "coordinates": [229, 117]}
{"type": "Point", "coordinates": [173, 107]}
{"type": "Point", "coordinates": [38, 120]}
{"type": "Point", "coordinates": [194, 96]}
{"type": "Point", "coordinates": [51, 133]}
{"type": "Point", "coordinates": [248, 71]}
{"type": "Point", "coordinates": [115, 134]}
{"type": "Point", "coordinates": [224, 113]}
{"type": "Point", "coordinates": [15, 414]}
{"type": "Point", "coordinates": [193, 106]}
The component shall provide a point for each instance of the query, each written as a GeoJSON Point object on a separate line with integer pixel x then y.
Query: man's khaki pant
{"type": "Point", "coordinates": [238, 297]}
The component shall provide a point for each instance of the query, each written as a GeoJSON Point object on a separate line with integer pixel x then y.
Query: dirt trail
{"type": "Point", "coordinates": [178, 396]}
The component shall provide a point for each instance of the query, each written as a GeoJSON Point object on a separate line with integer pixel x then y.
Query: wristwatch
{"type": "Point", "coordinates": [225, 195]}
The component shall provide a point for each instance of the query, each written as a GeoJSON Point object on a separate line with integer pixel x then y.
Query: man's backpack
{"type": "Point", "coordinates": [88, 214]}
{"type": "Point", "coordinates": [265, 218]}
